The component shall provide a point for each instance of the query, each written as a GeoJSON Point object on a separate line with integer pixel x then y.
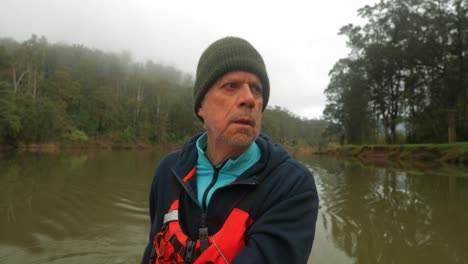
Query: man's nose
{"type": "Point", "coordinates": [246, 96]}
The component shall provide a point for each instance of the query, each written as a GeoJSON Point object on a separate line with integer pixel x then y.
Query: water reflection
{"type": "Point", "coordinates": [77, 207]}
{"type": "Point", "coordinates": [92, 208]}
{"type": "Point", "coordinates": [383, 215]}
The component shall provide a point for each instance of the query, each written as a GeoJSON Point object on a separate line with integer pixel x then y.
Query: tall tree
{"type": "Point", "coordinates": [414, 66]}
{"type": "Point", "coordinates": [10, 123]}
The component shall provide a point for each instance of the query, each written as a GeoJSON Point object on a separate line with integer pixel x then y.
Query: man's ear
{"type": "Point", "coordinates": [200, 112]}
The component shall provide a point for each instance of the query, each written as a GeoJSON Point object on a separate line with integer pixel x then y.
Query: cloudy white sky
{"type": "Point", "coordinates": [297, 39]}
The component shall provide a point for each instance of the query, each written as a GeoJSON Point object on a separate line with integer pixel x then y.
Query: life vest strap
{"type": "Point", "coordinates": [203, 236]}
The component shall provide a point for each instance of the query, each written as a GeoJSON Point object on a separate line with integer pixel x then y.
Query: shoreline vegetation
{"type": "Point", "coordinates": [452, 153]}
{"type": "Point", "coordinates": [105, 144]}
{"type": "Point", "coordinates": [443, 159]}
{"type": "Point", "coordinates": [69, 93]}
{"type": "Point", "coordinates": [50, 147]}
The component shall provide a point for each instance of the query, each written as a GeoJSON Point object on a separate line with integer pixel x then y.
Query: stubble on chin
{"type": "Point", "coordinates": [239, 140]}
{"type": "Point", "coordinates": [241, 137]}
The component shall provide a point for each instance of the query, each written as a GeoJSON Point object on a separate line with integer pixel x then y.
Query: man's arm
{"type": "Point", "coordinates": [162, 169]}
{"type": "Point", "coordinates": [147, 252]}
{"type": "Point", "coordinates": [284, 232]}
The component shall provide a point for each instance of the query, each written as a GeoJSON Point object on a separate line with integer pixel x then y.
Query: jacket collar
{"type": "Point", "coordinates": [271, 156]}
{"type": "Point", "coordinates": [234, 167]}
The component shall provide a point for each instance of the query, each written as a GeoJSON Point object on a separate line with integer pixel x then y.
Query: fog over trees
{"type": "Point", "coordinates": [61, 92]}
{"type": "Point", "coordinates": [405, 80]}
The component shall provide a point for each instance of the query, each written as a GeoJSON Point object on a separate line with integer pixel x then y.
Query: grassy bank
{"type": "Point", "coordinates": [106, 144]}
{"type": "Point", "coordinates": [450, 153]}
{"type": "Point", "coordinates": [100, 144]}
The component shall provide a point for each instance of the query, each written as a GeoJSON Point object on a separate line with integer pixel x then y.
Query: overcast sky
{"type": "Point", "coordinates": [297, 39]}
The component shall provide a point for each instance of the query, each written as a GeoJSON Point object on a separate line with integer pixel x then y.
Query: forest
{"type": "Point", "coordinates": [58, 92]}
{"type": "Point", "coordinates": [405, 79]}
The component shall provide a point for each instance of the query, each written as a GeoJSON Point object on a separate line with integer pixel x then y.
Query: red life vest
{"type": "Point", "coordinates": [171, 245]}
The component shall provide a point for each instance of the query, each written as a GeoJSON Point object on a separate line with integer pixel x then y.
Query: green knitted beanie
{"type": "Point", "coordinates": [226, 55]}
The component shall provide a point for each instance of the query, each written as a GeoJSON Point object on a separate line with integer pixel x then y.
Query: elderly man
{"type": "Point", "coordinates": [230, 195]}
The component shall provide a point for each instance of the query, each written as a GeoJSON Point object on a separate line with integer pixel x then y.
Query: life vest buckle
{"type": "Point", "coordinates": [203, 236]}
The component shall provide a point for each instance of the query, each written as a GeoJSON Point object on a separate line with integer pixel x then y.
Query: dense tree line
{"type": "Point", "coordinates": [406, 77]}
{"type": "Point", "coordinates": [55, 92]}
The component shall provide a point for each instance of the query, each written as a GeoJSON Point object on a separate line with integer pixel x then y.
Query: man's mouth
{"type": "Point", "coordinates": [245, 121]}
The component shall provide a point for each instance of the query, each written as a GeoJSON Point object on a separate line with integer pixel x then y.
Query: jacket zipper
{"type": "Point", "coordinates": [203, 229]}
{"type": "Point", "coordinates": [189, 251]}
{"type": "Point", "coordinates": [212, 183]}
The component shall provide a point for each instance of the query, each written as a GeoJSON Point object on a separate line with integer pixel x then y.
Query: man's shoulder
{"type": "Point", "coordinates": [184, 153]}
{"type": "Point", "coordinates": [180, 161]}
{"type": "Point", "coordinates": [170, 158]}
{"type": "Point", "coordinates": [275, 152]}
{"type": "Point", "coordinates": [283, 168]}
{"type": "Point", "coordinates": [293, 168]}
{"type": "Point", "coordinates": [279, 155]}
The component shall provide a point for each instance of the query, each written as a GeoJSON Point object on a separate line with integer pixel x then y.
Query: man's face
{"type": "Point", "coordinates": [232, 109]}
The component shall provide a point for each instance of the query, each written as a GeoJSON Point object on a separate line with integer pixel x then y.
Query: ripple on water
{"type": "Point", "coordinates": [112, 246]}
{"type": "Point", "coordinates": [132, 210]}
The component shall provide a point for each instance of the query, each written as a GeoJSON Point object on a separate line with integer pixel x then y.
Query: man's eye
{"type": "Point", "coordinates": [231, 85]}
{"type": "Point", "coordinates": [256, 88]}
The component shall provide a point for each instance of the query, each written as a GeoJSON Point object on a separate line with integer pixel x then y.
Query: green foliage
{"type": "Point", "coordinates": [351, 150]}
{"type": "Point", "coordinates": [332, 146]}
{"type": "Point", "coordinates": [10, 123]}
{"type": "Point", "coordinates": [407, 68]}
{"type": "Point", "coordinates": [286, 128]}
{"type": "Point", "coordinates": [4, 64]}
{"type": "Point", "coordinates": [71, 92]}
{"type": "Point", "coordinates": [349, 115]}
{"type": "Point", "coordinates": [75, 135]}
{"type": "Point", "coordinates": [43, 120]}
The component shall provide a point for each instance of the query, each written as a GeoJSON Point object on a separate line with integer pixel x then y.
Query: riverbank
{"type": "Point", "coordinates": [88, 145]}
{"type": "Point", "coordinates": [456, 153]}
{"type": "Point", "coordinates": [103, 144]}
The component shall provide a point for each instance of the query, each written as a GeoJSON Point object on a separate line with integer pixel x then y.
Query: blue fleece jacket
{"type": "Point", "coordinates": [283, 212]}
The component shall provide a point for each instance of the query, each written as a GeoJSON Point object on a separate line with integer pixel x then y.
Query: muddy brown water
{"type": "Point", "coordinates": [91, 207]}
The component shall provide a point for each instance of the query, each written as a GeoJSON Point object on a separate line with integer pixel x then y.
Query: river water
{"type": "Point", "coordinates": [91, 207]}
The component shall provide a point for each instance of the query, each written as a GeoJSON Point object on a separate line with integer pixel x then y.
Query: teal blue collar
{"type": "Point", "coordinates": [234, 167]}
{"type": "Point", "coordinates": [228, 170]}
